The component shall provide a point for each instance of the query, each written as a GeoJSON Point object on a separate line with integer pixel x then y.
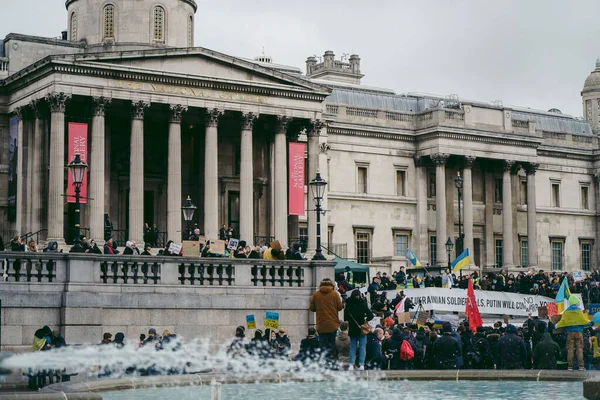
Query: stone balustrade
{"type": "Point", "coordinates": [149, 270]}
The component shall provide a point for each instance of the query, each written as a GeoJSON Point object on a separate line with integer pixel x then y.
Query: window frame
{"type": "Point", "coordinates": [523, 192]}
{"type": "Point", "coordinates": [191, 31]}
{"type": "Point", "coordinates": [401, 232]}
{"type": "Point", "coordinates": [432, 249]}
{"type": "Point", "coordinates": [555, 201]}
{"type": "Point", "coordinates": [499, 255]}
{"type": "Point", "coordinates": [369, 248]}
{"type": "Point", "coordinates": [359, 166]}
{"type": "Point", "coordinates": [163, 26]}
{"type": "Point", "coordinates": [105, 27]}
{"type": "Point", "coordinates": [584, 203]}
{"type": "Point", "coordinates": [561, 246]}
{"type": "Point", "coordinates": [432, 185]}
{"type": "Point", "coordinates": [73, 26]}
{"type": "Point", "coordinates": [400, 169]}
{"type": "Point", "coordinates": [524, 253]}
{"type": "Point", "coordinates": [589, 256]}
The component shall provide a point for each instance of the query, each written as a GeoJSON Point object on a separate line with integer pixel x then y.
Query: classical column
{"type": "Point", "coordinates": [20, 111]}
{"type": "Point", "coordinates": [507, 219]}
{"type": "Point", "coordinates": [28, 157]}
{"type": "Point", "coordinates": [97, 160]}
{"type": "Point", "coordinates": [174, 203]}
{"type": "Point", "coordinates": [56, 182]}
{"type": "Point", "coordinates": [468, 205]}
{"type": "Point", "coordinates": [313, 166]}
{"type": "Point", "coordinates": [422, 242]}
{"type": "Point", "coordinates": [532, 243]}
{"type": "Point", "coordinates": [136, 173]}
{"type": "Point", "coordinates": [280, 181]}
{"type": "Point", "coordinates": [439, 160]}
{"type": "Point", "coordinates": [211, 174]}
{"type": "Point", "coordinates": [247, 180]}
{"type": "Point", "coordinates": [38, 168]}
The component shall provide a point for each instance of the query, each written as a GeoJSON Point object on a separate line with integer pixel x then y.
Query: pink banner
{"type": "Point", "coordinates": [78, 144]}
{"type": "Point", "coordinates": [296, 178]}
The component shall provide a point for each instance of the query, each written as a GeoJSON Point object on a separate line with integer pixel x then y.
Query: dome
{"type": "Point", "coordinates": [593, 80]}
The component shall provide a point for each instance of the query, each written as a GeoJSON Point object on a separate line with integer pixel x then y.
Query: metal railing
{"type": "Point", "coordinates": [339, 250]}
{"type": "Point", "coordinates": [120, 236]}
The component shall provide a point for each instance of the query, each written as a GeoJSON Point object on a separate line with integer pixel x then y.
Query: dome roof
{"type": "Point", "coordinates": [593, 80]}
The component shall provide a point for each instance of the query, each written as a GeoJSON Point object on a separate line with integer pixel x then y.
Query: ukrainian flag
{"type": "Point", "coordinates": [562, 297]}
{"type": "Point", "coordinates": [413, 258]}
{"type": "Point", "coordinates": [461, 261]}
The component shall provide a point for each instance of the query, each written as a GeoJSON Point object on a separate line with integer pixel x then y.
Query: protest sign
{"type": "Point", "coordinates": [593, 309]}
{"type": "Point", "coordinates": [272, 320]}
{"type": "Point", "coordinates": [422, 318]}
{"type": "Point", "coordinates": [578, 276]}
{"type": "Point", "coordinates": [233, 244]}
{"type": "Point", "coordinates": [175, 248]}
{"type": "Point", "coordinates": [403, 317]}
{"type": "Point", "coordinates": [552, 309]}
{"type": "Point", "coordinates": [374, 322]}
{"type": "Point", "coordinates": [488, 302]}
{"type": "Point", "coordinates": [250, 322]}
{"type": "Point", "coordinates": [217, 247]}
{"type": "Point", "coordinates": [191, 248]}
{"type": "Point", "coordinates": [543, 312]}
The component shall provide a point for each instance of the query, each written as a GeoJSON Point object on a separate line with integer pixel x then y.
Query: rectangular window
{"type": "Point", "coordinates": [555, 195]}
{"type": "Point", "coordinates": [524, 192]}
{"type": "Point", "coordinates": [400, 182]}
{"type": "Point", "coordinates": [432, 250]}
{"type": "Point", "coordinates": [585, 199]}
{"type": "Point", "coordinates": [362, 179]}
{"type": "Point", "coordinates": [431, 193]}
{"type": "Point", "coordinates": [557, 255]}
{"type": "Point", "coordinates": [524, 254]}
{"type": "Point", "coordinates": [401, 244]}
{"type": "Point", "coordinates": [498, 190]}
{"type": "Point", "coordinates": [363, 247]}
{"type": "Point", "coordinates": [499, 259]}
{"type": "Point", "coordinates": [586, 256]}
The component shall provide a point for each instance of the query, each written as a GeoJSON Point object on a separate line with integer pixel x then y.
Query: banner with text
{"type": "Point", "coordinates": [78, 144]}
{"type": "Point", "coordinates": [500, 303]}
{"type": "Point", "coordinates": [296, 178]}
{"type": "Point", "coordinates": [13, 151]}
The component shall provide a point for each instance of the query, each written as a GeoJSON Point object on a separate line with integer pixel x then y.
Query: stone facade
{"type": "Point", "coordinates": [530, 196]}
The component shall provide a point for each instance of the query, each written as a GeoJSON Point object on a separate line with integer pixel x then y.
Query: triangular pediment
{"type": "Point", "coordinates": [199, 62]}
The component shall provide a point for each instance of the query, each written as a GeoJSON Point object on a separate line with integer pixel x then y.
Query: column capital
{"type": "Point", "coordinates": [324, 148]}
{"type": "Point", "coordinates": [508, 164]}
{"type": "Point", "coordinates": [531, 168]}
{"type": "Point", "coordinates": [469, 161]}
{"type": "Point", "coordinates": [248, 119]}
{"type": "Point", "coordinates": [58, 101]}
{"type": "Point", "coordinates": [213, 116]}
{"type": "Point", "coordinates": [282, 123]}
{"type": "Point", "coordinates": [440, 158]}
{"type": "Point", "coordinates": [38, 108]}
{"type": "Point", "coordinates": [177, 111]}
{"type": "Point", "coordinates": [315, 127]}
{"type": "Point", "coordinates": [139, 108]}
{"type": "Point", "coordinates": [597, 177]}
{"type": "Point", "coordinates": [100, 106]}
{"type": "Point", "coordinates": [20, 112]}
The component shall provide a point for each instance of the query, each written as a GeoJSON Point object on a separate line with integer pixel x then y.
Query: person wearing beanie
{"type": "Point", "coordinates": [546, 353]}
{"type": "Point", "coordinates": [327, 303]}
{"type": "Point", "coordinates": [446, 349]}
{"type": "Point", "coordinates": [480, 355]}
{"type": "Point", "coordinates": [573, 320]}
{"type": "Point", "coordinates": [151, 337]}
{"type": "Point", "coordinates": [512, 352]}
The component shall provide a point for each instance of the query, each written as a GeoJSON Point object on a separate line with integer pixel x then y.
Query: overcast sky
{"type": "Point", "coordinates": [532, 53]}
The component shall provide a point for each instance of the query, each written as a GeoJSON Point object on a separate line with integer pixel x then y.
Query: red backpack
{"type": "Point", "coordinates": [406, 351]}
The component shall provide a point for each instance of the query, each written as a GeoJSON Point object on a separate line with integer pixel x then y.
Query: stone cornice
{"type": "Point", "coordinates": [190, 2]}
{"type": "Point", "coordinates": [439, 132]}
{"type": "Point", "coordinates": [118, 72]}
{"type": "Point", "coordinates": [571, 154]}
{"type": "Point", "coordinates": [371, 198]}
{"type": "Point", "coordinates": [373, 132]}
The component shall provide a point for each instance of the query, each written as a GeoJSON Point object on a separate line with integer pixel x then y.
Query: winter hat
{"type": "Point", "coordinates": [152, 331]}
{"type": "Point", "coordinates": [511, 328]}
{"type": "Point", "coordinates": [446, 327]}
{"type": "Point", "coordinates": [573, 301]}
{"type": "Point", "coordinates": [480, 329]}
{"type": "Point", "coordinates": [107, 336]}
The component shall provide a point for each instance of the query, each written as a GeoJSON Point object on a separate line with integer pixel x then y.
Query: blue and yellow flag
{"type": "Point", "coordinates": [413, 258]}
{"type": "Point", "coordinates": [562, 297]}
{"type": "Point", "coordinates": [461, 261]}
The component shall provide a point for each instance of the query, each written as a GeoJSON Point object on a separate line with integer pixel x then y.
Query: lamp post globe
{"type": "Point", "coordinates": [449, 246]}
{"type": "Point", "coordinates": [188, 210]}
{"type": "Point", "coordinates": [317, 186]}
{"type": "Point", "coordinates": [77, 168]}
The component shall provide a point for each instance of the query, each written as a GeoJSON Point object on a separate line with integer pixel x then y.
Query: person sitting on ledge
{"type": "Point", "coordinates": [109, 248]}
{"type": "Point", "coordinates": [274, 252]}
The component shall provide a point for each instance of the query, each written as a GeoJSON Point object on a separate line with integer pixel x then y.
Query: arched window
{"type": "Point", "coordinates": [73, 26]}
{"type": "Point", "coordinates": [108, 14]}
{"type": "Point", "coordinates": [159, 24]}
{"type": "Point", "coordinates": [190, 31]}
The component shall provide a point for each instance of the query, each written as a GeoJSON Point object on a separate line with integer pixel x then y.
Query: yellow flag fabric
{"type": "Point", "coordinates": [572, 318]}
{"type": "Point", "coordinates": [461, 261]}
{"type": "Point", "coordinates": [38, 344]}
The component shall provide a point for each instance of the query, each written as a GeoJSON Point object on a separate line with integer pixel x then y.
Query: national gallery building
{"type": "Point", "coordinates": [158, 119]}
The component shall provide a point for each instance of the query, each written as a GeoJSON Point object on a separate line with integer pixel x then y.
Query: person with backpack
{"type": "Point", "coordinates": [393, 349]}
{"type": "Point", "coordinates": [420, 345]}
{"type": "Point", "coordinates": [480, 355]}
{"type": "Point", "coordinates": [446, 349]}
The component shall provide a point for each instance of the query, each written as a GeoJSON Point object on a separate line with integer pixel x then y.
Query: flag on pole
{"type": "Point", "coordinates": [562, 297]}
{"type": "Point", "coordinates": [472, 311]}
{"type": "Point", "coordinates": [413, 258]}
{"type": "Point", "coordinates": [461, 261]}
{"type": "Point", "coordinates": [400, 306]}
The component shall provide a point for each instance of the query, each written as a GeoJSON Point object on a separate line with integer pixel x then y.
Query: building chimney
{"type": "Point", "coordinates": [310, 65]}
{"type": "Point", "coordinates": [355, 63]}
{"type": "Point", "coordinates": [329, 58]}
{"type": "Point", "coordinates": [63, 35]}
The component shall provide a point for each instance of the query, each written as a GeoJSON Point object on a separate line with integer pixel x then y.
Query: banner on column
{"type": "Point", "coordinates": [78, 144]}
{"type": "Point", "coordinates": [12, 167]}
{"type": "Point", "coordinates": [296, 179]}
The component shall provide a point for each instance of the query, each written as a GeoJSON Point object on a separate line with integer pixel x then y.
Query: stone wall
{"type": "Point", "coordinates": [83, 307]}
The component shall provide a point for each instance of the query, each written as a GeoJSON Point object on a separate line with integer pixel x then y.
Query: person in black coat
{"type": "Point", "coordinates": [546, 353]}
{"type": "Point", "coordinates": [512, 353]}
{"type": "Point", "coordinates": [375, 357]}
{"type": "Point", "coordinates": [446, 349]}
{"type": "Point", "coordinates": [356, 313]}
{"type": "Point", "coordinates": [310, 350]}
{"type": "Point", "coordinates": [480, 355]}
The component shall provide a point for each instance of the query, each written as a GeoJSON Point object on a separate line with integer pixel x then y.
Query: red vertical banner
{"type": "Point", "coordinates": [296, 178]}
{"type": "Point", "coordinates": [78, 144]}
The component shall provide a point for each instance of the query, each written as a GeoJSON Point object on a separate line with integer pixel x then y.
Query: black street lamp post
{"type": "Point", "coordinates": [77, 168]}
{"type": "Point", "coordinates": [449, 246]}
{"type": "Point", "coordinates": [458, 182]}
{"type": "Point", "coordinates": [318, 188]}
{"type": "Point", "coordinates": [188, 210]}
